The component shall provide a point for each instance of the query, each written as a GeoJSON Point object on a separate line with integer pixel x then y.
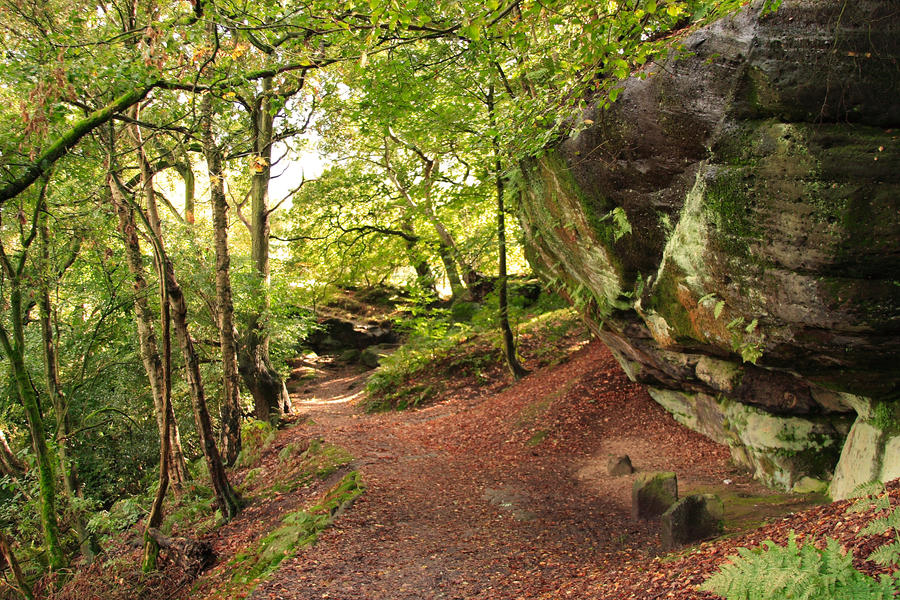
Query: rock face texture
{"type": "Point", "coordinates": [757, 293]}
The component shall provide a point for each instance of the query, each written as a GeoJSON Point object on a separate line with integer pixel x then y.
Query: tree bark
{"type": "Point", "coordinates": [509, 344]}
{"type": "Point", "coordinates": [227, 499]}
{"type": "Point", "coordinates": [150, 559]}
{"type": "Point", "coordinates": [7, 552]}
{"type": "Point", "coordinates": [424, 275]}
{"type": "Point", "coordinates": [153, 365]}
{"type": "Point", "coordinates": [453, 260]}
{"type": "Point", "coordinates": [9, 462]}
{"type": "Point", "coordinates": [230, 405]}
{"type": "Point", "coordinates": [270, 396]}
{"type": "Point", "coordinates": [15, 349]}
{"type": "Point", "coordinates": [71, 485]}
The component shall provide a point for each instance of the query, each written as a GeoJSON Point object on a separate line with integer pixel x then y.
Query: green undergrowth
{"type": "Point", "coordinates": [442, 349]}
{"type": "Point", "coordinates": [256, 436]}
{"type": "Point", "coordinates": [298, 530]}
{"type": "Point", "coordinates": [300, 464]}
{"type": "Point", "coordinates": [772, 571]}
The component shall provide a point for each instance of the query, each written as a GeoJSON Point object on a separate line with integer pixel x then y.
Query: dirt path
{"type": "Point", "coordinates": [500, 497]}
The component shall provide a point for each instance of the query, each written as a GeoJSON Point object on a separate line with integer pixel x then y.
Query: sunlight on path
{"type": "Point", "coordinates": [341, 390]}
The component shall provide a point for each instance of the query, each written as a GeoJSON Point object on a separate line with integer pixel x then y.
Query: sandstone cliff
{"type": "Point", "coordinates": [758, 291]}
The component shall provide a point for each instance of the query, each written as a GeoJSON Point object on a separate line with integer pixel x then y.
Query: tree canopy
{"type": "Point", "coordinates": [152, 182]}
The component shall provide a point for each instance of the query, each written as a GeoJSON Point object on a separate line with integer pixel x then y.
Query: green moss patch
{"type": "Point", "coordinates": [298, 530]}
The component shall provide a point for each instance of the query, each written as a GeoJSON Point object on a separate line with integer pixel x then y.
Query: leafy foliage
{"type": "Point", "coordinates": [776, 572]}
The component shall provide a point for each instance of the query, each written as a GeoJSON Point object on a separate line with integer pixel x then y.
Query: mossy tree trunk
{"type": "Point", "coordinates": [270, 396]}
{"type": "Point", "coordinates": [50, 274]}
{"type": "Point", "coordinates": [230, 406]}
{"type": "Point", "coordinates": [7, 552]}
{"type": "Point", "coordinates": [509, 344]}
{"type": "Point", "coordinates": [14, 348]}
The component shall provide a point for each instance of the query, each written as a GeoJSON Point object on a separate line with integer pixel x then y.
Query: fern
{"type": "Point", "coordinates": [880, 525]}
{"type": "Point", "coordinates": [869, 495]}
{"type": "Point", "coordinates": [802, 572]}
{"type": "Point", "coordinates": [889, 554]}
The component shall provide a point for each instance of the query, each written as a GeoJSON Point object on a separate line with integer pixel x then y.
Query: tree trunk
{"type": "Point", "coordinates": [509, 344]}
{"type": "Point", "coordinates": [71, 484]}
{"type": "Point", "coordinates": [153, 365]}
{"type": "Point", "coordinates": [7, 552]}
{"type": "Point", "coordinates": [453, 260]}
{"type": "Point", "coordinates": [187, 175]}
{"type": "Point", "coordinates": [154, 519]}
{"type": "Point", "coordinates": [228, 501]}
{"type": "Point", "coordinates": [424, 275]}
{"type": "Point", "coordinates": [15, 350]}
{"type": "Point", "coordinates": [9, 462]}
{"type": "Point", "coordinates": [230, 406]}
{"type": "Point", "coordinates": [150, 559]}
{"type": "Point", "coordinates": [270, 396]}
{"type": "Point", "coordinates": [456, 285]}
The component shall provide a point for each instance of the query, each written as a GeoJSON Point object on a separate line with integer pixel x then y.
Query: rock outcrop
{"type": "Point", "coordinates": [758, 291]}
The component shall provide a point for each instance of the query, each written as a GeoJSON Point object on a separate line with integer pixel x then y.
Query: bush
{"type": "Point", "coordinates": [255, 438]}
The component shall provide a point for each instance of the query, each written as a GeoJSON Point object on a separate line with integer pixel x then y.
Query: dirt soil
{"type": "Point", "coordinates": [506, 495]}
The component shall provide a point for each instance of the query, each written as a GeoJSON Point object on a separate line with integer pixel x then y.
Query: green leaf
{"type": "Point", "coordinates": [717, 310]}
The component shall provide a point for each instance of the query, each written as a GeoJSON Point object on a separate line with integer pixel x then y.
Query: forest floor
{"type": "Point", "coordinates": [496, 491]}
{"type": "Point", "coordinates": [503, 494]}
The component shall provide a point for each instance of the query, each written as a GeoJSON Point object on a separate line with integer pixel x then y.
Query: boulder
{"type": "Point", "coordinates": [619, 465]}
{"type": "Point", "coordinates": [336, 335]}
{"type": "Point", "coordinates": [691, 519]}
{"type": "Point", "coordinates": [729, 228]}
{"type": "Point", "coordinates": [371, 356]}
{"type": "Point", "coordinates": [872, 451]}
{"type": "Point", "coordinates": [653, 493]}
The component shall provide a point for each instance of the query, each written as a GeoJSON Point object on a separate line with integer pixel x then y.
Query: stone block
{"type": "Point", "coordinates": [653, 493]}
{"type": "Point", "coordinates": [691, 519]}
{"type": "Point", "coordinates": [619, 465]}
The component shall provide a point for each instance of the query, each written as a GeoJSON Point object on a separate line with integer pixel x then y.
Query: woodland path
{"type": "Point", "coordinates": [502, 496]}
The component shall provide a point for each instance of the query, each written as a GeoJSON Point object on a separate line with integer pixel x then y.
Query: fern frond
{"type": "Point", "coordinates": [889, 554]}
{"type": "Point", "coordinates": [799, 572]}
{"type": "Point", "coordinates": [892, 521]}
{"type": "Point", "coordinates": [868, 495]}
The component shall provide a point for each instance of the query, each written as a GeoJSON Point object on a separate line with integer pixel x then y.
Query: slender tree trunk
{"type": "Point", "coordinates": [7, 552]}
{"type": "Point", "coordinates": [187, 175]}
{"type": "Point", "coordinates": [9, 462]}
{"type": "Point", "coordinates": [230, 405]}
{"type": "Point", "coordinates": [509, 344]}
{"type": "Point", "coordinates": [144, 318]}
{"type": "Point", "coordinates": [270, 396]}
{"type": "Point", "coordinates": [456, 285]}
{"type": "Point", "coordinates": [227, 499]}
{"type": "Point", "coordinates": [179, 475]}
{"type": "Point", "coordinates": [15, 349]}
{"type": "Point", "coordinates": [453, 260]}
{"type": "Point", "coordinates": [15, 353]}
{"type": "Point", "coordinates": [424, 274]}
{"type": "Point", "coordinates": [154, 519]}
{"type": "Point", "coordinates": [60, 405]}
